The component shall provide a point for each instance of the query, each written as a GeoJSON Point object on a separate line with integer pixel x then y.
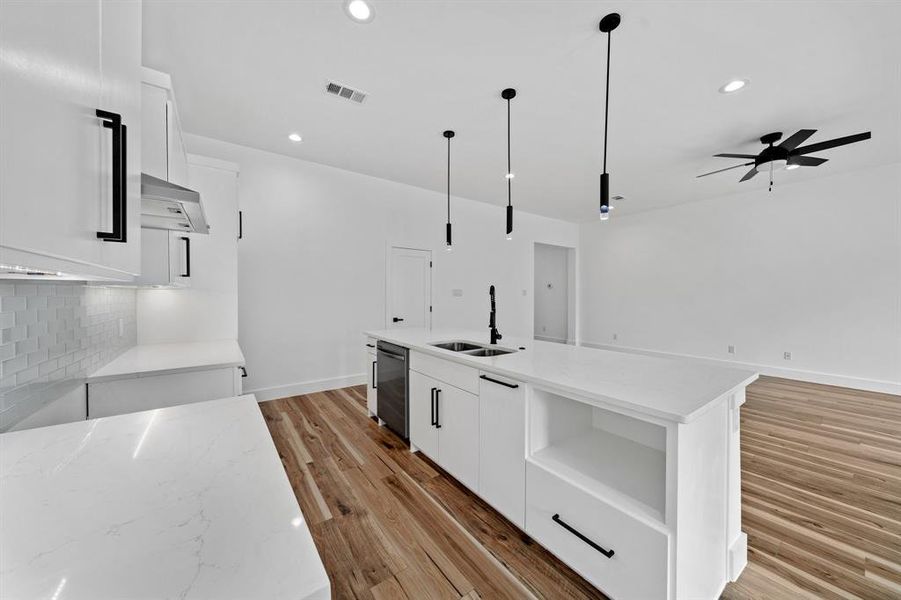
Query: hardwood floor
{"type": "Point", "coordinates": [821, 470]}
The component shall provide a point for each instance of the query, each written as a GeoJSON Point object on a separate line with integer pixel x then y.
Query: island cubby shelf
{"type": "Point", "coordinates": [615, 457]}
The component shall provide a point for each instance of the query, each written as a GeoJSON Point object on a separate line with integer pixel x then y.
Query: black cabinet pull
{"type": "Point", "coordinates": [187, 272]}
{"type": "Point", "coordinates": [243, 371]}
{"type": "Point", "coordinates": [240, 224]}
{"type": "Point", "coordinates": [374, 386]}
{"type": "Point", "coordinates": [564, 525]}
{"type": "Point", "coordinates": [503, 383]}
{"type": "Point", "coordinates": [370, 345]}
{"type": "Point", "coordinates": [437, 408]}
{"type": "Point", "coordinates": [113, 121]}
{"type": "Point", "coordinates": [397, 319]}
{"type": "Point", "coordinates": [433, 406]}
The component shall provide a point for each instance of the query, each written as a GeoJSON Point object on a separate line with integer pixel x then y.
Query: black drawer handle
{"type": "Point", "coordinates": [187, 242]}
{"type": "Point", "coordinates": [503, 383]}
{"type": "Point", "coordinates": [564, 525]}
{"type": "Point", "coordinates": [374, 382]}
{"type": "Point", "coordinates": [243, 371]}
{"type": "Point", "coordinates": [433, 406]}
{"type": "Point", "coordinates": [397, 319]}
{"type": "Point", "coordinates": [370, 345]}
{"type": "Point", "coordinates": [437, 409]}
{"type": "Point", "coordinates": [113, 122]}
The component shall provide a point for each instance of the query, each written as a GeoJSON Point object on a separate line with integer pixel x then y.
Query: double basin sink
{"type": "Point", "coordinates": [472, 349]}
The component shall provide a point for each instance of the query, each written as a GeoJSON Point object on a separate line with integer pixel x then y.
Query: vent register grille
{"type": "Point", "coordinates": [336, 89]}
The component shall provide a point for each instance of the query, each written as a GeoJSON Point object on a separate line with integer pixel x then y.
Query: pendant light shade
{"type": "Point", "coordinates": [449, 234]}
{"type": "Point", "coordinates": [607, 25]}
{"type": "Point", "coordinates": [508, 94]}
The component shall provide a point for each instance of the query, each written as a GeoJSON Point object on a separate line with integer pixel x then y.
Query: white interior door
{"type": "Point", "coordinates": [409, 288]}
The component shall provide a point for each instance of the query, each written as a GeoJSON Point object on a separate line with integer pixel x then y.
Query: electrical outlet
{"type": "Point", "coordinates": [787, 355]}
{"type": "Point", "coordinates": [731, 349]}
{"type": "Point", "coordinates": [615, 337]}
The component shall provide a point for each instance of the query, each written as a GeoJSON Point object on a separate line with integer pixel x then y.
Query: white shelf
{"type": "Point", "coordinates": [611, 467]}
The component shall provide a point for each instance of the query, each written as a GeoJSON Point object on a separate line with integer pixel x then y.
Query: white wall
{"type": "Point", "coordinates": [812, 268]}
{"type": "Point", "coordinates": [208, 309]}
{"type": "Point", "coordinates": [313, 259]}
{"type": "Point", "coordinates": [551, 293]}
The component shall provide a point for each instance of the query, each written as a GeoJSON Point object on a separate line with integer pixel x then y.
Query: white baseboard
{"type": "Point", "coordinates": [306, 387]}
{"type": "Point", "coordinates": [547, 338]}
{"type": "Point", "coordinates": [848, 381]}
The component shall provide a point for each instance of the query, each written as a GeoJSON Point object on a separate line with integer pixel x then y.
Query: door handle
{"type": "Point", "coordinates": [556, 519]}
{"type": "Point", "coordinates": [433, 406]}
{"type": "Point", "coordinates": [113, 121]}
{"type": "Point", "coordinates": [187, 272]}
{"type": "Point", "coordinates": [397, 319]}
{"type": "Point", "coordinates": [437, 409]}
{"type": "Point", "coordinates": [243, 371]}
{"type": "Point", "coordinates": [374, 386]}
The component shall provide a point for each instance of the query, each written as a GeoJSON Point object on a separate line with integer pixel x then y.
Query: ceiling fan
{"type": "Point", "coordinates": [788, 154]}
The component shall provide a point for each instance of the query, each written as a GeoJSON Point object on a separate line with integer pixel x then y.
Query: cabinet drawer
{"type": "Point", "coordinates": [448, 371]}
{"type": "Point", "coordinates": [638, 567]}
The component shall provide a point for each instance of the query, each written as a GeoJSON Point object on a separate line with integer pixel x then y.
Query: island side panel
{"type": "Point", "coordinates": [738, 540]}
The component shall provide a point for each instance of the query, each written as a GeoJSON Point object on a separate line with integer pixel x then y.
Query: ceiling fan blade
{"type": "Point", "coordinates": [749, 174]}
{"type": "Point", "coordinates": [726, 169]}
{"type": "Point", "coordinates": [727, 155]}
{"type": "Point", "coordinates": [798, 138]}
{"type": "Point", "coordinates": [848, 139]}
{"type": "Point", "coordinates": [808, 161]}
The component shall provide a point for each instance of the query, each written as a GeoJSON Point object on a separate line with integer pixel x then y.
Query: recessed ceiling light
{"type": "Point", "coordinates": [359, 10]}
{"type": "Point", "coordinates": [295, 137]}
{"type": "Point", "coordinates": [733, 86]}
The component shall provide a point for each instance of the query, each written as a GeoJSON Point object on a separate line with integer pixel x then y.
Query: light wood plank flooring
{"type": "Point", "coordinates": [821, 470]}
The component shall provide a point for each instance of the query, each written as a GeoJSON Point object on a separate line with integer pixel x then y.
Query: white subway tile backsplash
{"type": "Point", "coordinates": [52, 335]}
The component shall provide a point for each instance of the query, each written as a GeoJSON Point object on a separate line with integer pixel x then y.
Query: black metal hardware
{"type": "Point", "coordinates": [374, 386]}
{"type": "Point", "coordinates": [397, 319]}
{"type": "Point", "coordinates": [370, 345]}
{"type": "Point", "coordinates": [243, 371]}
{"type": "Point", "coordinates": [113, 122]}
{"type": "Point", "coordinates": [569, 528]}
{"type": "Point", "coordinates": [437, 409]}
{"type": "Point", "coordinates": [240, 224]}
{"type": "Point", "coordinates": [187, 272]}
{"type": "Point", "coordinates": [433, 406]}
{"type": "Point", "coordinates": [497, 381]}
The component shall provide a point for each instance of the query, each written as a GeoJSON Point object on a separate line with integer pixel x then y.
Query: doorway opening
{"type": "Point", "coordinates": [409, 288]}
{"type": "Point", "coordinates": [554, 294]}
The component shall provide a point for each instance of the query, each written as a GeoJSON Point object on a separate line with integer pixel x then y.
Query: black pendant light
{"type": "Point", "coordinates": [607, 25]}
{"type": "Point", "coordinates": [448, 134]}
{"type": "Point", "coordinates": [508, 94]}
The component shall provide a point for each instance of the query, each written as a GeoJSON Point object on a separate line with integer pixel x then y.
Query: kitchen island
{"type": "Point", "coordinates": [625, 466]}
{"type": "Point", "coordinates": [186, 502]}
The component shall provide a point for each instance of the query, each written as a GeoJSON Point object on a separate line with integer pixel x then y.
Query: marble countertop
{"type": "Point", "coordinates": [162, 359]}
{"type": "Point", "coordinates": [184, 502]}
{"type": "Point", "coordinates": [666, 388]}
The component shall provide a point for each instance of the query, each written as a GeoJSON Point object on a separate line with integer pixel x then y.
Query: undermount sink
{"type": "Point", "coordinates": [457, 346]}
{"type": "Point", "coordinates": [489, 352]}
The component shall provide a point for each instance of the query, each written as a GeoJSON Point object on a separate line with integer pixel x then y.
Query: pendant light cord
{"type": "Point", "coordinates": [509, 180]}
{"type": "Point", "coordinates": [607, 100]}
{"type": "Point", "coordinates": [448, 180]}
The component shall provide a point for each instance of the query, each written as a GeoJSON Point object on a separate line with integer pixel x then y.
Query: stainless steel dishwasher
{"type": "Point", "coordinates": [393, 388]}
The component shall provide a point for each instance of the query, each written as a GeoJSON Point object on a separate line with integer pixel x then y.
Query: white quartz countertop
{"type": "Point", "coordinates": [162, 359]}
{"type": "Point", "coordinates": [667, 388]}
{"type": "Point", "coordinates": [184, 502]}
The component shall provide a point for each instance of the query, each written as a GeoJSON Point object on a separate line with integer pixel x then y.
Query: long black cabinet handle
{"type": "Point", "coordinates": [569, 528]}
{"type": "Point", "coordinates": [397, 319]}
{"type": "Point", "coordinates": [187, 272]}
{"type": "Point", "coordinates": [437, 408]}
{"type": "Point", "coordinates": [370, 345]}
{"type": "Point", "coordinates": [503, 383]}
{"type": "Point", "coordinates": [113, 121]}
{"type": "Point", "coordinates": [374, 384]}
{"type": "Point", "coordinates": [433, 406]}
{"type": "Point", "coordinates": [240, 224]}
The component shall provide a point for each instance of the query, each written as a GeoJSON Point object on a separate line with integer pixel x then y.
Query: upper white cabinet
{"type": "Point", "coordinates": [67, 174]}
{"type": "Point", "coordinates": [165, 259]}
{"type": "Point", "coordinates": [163, 147]}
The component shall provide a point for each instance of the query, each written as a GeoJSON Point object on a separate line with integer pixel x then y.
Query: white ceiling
{"type": "Point", "coordinates": [252, 72]}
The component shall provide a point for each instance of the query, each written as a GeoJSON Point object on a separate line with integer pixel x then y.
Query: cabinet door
{"type": "Point", "coordinates": [121, 93]}
{"type": "Point", "coordinates": [423, 434]}
{"type": "Point", "coordinates": [502, 445]}
{"type": "Point", "coordinates": [50, 136]}
{"type": "Point", "coordinates": [458, 434]}
{"type": "Point", "coordinates": [371, 391]}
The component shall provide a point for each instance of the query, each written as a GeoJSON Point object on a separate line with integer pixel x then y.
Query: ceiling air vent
{"type": "Point", "coordinates": [336, 89]}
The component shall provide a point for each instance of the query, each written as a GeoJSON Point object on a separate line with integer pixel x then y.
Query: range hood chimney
{"type": "Point", "coordinates": [165, 205]}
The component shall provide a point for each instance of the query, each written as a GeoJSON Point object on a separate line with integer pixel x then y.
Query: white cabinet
{"type": "Point", "coordinates": [371, 364]}
{"type": "Point", "coordinates": [63, 62]}
{"type": "Point", "coordinates": [135, 394]}
{"type": "Point", "coordinates": [444, 425]}
{"type": "Point", "coordinates": [163, 148]}
{"type": "Point", "coordinates": [165, 258]}
{"type": "Point", "coordinates": [502, 445]}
